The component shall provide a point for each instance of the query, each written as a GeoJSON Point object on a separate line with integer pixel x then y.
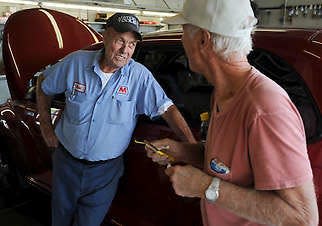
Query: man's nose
{"type": "Point", "coordinates": [123, 48]}
{"type": "Point", "coordinates": [126, 47]}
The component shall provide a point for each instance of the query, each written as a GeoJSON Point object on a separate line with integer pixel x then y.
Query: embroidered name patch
{"type": "Point", "coordinates": [128, 19]}
{"type": "Point", "coordinates": [79, 87]}
{"type": "Point", "coordinates": [219, 167]}
{"type": "Point", "coordinates": [123, 90]}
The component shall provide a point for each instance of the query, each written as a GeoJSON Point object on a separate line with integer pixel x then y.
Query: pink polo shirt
{"type": "Point", "coordinates": [258, 141]}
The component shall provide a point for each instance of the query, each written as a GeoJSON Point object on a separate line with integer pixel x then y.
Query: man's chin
{"type": "Point", "coordinates": [120, 64]}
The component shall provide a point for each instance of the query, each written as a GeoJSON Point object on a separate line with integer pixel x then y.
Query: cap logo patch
{"type": "Point", "coordinates": [123, 90]}
{"type": "Point", "coordinates": [128, 19]}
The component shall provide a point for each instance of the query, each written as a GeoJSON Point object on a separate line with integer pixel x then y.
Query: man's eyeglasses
{"type": "Point", "coordinates": [130, 44]}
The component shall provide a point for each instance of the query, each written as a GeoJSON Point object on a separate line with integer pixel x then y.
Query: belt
{"type": "Point", "coordinates": [83, 161]}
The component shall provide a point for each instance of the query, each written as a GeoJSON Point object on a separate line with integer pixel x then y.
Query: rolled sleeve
{"type": "Point", "coordinates": [164, 107]}
{"type": "Point", "coordinates": [155, 101]}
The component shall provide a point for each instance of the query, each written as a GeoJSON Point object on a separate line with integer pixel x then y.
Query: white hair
{"type": "Point", "coordinates": [226, 46]}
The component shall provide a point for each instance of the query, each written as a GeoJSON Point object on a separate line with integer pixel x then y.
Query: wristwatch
{"type": "Point", "coordinates": [212, 192]}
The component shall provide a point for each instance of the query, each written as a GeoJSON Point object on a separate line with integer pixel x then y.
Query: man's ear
{"type": "Point", "coordinates": [106, 33]}
{"type": "Point", "coordinates": [205, 39]}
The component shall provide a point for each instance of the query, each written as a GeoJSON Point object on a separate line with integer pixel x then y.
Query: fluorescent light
{"type": "Point", "coordinates": [88, 7]}
{"type": "Point", "coordinates": [69, 6]}
{"type": "Point", "coordinates": [160, 14]}
{"type": "Point", "coordinates": [20, 2]}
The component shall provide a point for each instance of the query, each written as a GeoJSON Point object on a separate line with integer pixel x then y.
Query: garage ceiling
{"type": "Point", "coordinates": [166, 5]}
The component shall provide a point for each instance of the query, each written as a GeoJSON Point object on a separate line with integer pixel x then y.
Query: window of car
{"type": "Point", "coordinates": [189, 91]}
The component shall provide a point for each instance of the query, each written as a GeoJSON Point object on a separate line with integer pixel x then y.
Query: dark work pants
{"type": "Point", "coordinates": [82, 193]}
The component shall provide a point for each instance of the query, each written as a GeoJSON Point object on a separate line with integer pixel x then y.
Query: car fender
{"type": "Point", "coordinates": [19, 143]}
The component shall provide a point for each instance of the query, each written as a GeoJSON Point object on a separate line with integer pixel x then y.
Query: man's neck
{"type": "Point", "coordinates": [106, 67]}
{"type": "Point", "coordinates": [228, 77]}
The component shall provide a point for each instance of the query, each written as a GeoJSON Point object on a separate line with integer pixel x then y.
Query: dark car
{"type": "Point", "coordinates": [35, 38]}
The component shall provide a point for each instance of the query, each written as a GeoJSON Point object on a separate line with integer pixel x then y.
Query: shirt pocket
{"type": "Point", "coordinates": [78, 108]}
{"type": "Point", "coordinates": [121, 111]}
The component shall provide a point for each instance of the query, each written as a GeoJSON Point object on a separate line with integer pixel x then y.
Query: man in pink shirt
{"type": "Point", "coordinates": [254, 168]}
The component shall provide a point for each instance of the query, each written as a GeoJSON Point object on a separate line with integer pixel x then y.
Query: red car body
{"type": "Point", "coordinates": [35, 38]}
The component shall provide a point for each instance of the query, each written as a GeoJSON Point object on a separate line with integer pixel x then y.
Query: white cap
{"type": "Point", "coordinates": [232, 18]}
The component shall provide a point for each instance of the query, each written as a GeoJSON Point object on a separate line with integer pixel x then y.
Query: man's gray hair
{"type": "Point", "coordinates": [226, 46]}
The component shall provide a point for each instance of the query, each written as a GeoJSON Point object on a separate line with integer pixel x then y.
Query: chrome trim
{"type": "Point", "coordinates": [312, 54]}
{"type": "Point", "coordinates": [13, 58]}
{"type": "Point", "coordinates": [56, 28]}
{"type": "Point", "coordinates": [89, 30]}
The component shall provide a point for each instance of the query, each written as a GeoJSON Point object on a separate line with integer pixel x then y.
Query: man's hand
{"type": "Point", "coordinates": [172, 151]}
{"type": "Point", "coordinates": [188, 181]}
{"type": "Point", "coordinates": [179, 152]}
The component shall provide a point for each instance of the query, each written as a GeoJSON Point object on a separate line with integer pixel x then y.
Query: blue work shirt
{"type": "Point", "coordinates": [97, 124]}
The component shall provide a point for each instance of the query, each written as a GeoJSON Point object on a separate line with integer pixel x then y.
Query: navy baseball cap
{"type": "Point", "coordinates": [125, 22]}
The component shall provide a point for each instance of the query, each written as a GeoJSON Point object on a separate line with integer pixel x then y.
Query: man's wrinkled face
{"type": "Point", "coordinates": [119, 47]}
{"type": "Point", "coordinates": [190, 46]}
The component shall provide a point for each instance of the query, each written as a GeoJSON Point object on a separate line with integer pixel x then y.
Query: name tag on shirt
{"type": "Point", "coordinates": [79, 87]}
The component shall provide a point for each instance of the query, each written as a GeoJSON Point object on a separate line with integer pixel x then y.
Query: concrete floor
{"type": "Point", "coordinates": [24, 208]}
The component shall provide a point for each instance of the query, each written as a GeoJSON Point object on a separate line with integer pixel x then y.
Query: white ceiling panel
{"type": "Point", "coordinates": [167, 5]}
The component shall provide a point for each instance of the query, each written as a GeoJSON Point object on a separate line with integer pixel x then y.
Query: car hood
{"type": "Point", "coordinates": [35, 38]}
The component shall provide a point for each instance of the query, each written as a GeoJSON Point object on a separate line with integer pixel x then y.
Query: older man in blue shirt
{"type": "Point", "coordinates": [105, 93]}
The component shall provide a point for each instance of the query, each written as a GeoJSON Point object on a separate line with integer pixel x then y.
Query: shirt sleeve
{"type": "Point", "coordinates": [277, 149]}
{"type": "Point", "coordinates": [155, 101]}
{"type": "Point", "coordinates": [55, 78]}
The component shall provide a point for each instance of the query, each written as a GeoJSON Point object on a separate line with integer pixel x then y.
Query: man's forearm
{"type": "Point", "coordinates": [46, 127]}
{"type": "Point", "coordinates": [43, 104]}
{"type": "Point", "coordinates": [178, 124]}
{"type": "Point", "coordinates": [271, 207]}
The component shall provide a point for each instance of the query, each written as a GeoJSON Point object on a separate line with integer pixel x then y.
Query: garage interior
{"type": "Point", "coordinates": [18, 208]}
{"type": "Point", "coordinates": [270, 14]}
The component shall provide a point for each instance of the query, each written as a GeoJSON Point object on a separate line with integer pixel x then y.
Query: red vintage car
{"type": "Point", "coordinates": [35, 38]}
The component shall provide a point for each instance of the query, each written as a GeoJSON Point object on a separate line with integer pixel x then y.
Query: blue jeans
{"type": "Point", "coordinates": [82, 193]}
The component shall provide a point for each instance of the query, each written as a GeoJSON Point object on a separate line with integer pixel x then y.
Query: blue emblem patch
{"type": "Point", "coordinates": [219, 167]}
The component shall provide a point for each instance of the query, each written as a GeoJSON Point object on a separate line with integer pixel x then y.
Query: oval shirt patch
{"type": "Point", "coordinates": [219, 167]}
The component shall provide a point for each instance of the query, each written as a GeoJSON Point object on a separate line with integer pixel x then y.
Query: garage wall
{"type": "Point", "coordinates": [273, 13]}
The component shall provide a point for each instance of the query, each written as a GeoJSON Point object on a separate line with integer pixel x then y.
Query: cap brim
{"type": "Point", "coordinates": [177, 19]}
{"type": "Point", "coordinates": [128, 28]}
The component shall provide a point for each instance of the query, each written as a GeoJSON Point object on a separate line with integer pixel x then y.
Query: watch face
{"type": "Point", "coordinates": [211, 195]}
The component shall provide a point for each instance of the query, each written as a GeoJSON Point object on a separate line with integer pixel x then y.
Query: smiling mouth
{"type": "Point", "coordinates": [120, 57]}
